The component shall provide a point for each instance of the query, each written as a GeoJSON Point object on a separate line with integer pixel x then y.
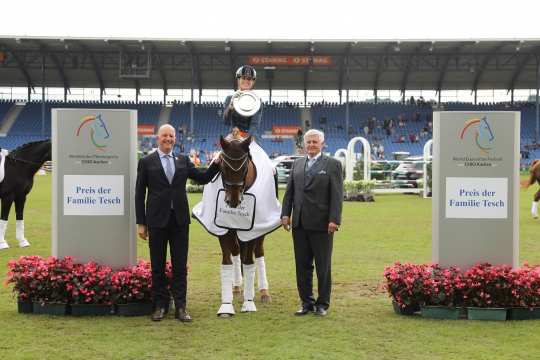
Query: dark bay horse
{"type": "Point", "coordinates": [534, 177]}
{"type": "Point", "coordinates": [20, 166]}
{"type": "Point", "coordinates": [238, 173]}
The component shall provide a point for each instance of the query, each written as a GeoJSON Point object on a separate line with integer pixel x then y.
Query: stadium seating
{"type": "Point", "coordinates": [330, 117]}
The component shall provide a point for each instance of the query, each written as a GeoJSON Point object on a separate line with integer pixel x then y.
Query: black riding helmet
{"type": "Point", "coordinates": [246, 70]}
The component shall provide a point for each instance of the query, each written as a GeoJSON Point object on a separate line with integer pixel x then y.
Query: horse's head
{"type": "Point", "coordinates": [234, 168]}
{"type": "Point", "coordinates": [35, 153]}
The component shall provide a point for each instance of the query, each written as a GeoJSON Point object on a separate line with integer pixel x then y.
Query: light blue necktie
{"type": "Point", "coordinates": [169, 172]}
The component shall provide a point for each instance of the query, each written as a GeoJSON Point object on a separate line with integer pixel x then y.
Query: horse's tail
{"type": "Point", "coordinates": [535, 165]}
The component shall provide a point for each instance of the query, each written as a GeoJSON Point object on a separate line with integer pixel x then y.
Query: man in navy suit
{"type": "Point", "coordinates": [163, 217]}
{"type": "Point", "coordinates": [314, 195]}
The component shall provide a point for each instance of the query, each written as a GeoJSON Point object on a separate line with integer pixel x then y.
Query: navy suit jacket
{"type": "Point", "coordinates": [154, 210]}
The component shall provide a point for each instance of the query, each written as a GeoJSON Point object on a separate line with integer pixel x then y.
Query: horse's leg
{"type": "Point", "coordinates": [237, 267]}
{"type": "Point", "coordinates": [19, 227]}
{"type": "Point", "coordinates": [6, 207]}
{"type": "Point", "coordinates": [262, 281]}
{"type": "Point", "coordinates": [246, 252]}
{"type": "Point", "coordinates": [227, 243]}
{"type": "Point", "coordinates": [534, 208]}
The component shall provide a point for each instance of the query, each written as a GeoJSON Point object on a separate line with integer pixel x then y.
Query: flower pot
{"type": "Point", "coordinates": [91, 309]}
{"type": "Point", "coordinates": [134, 309]}
{"type": "Point", "coordinates": [50, 308]}
{"type": "Point", "coordinates": [25, 307]}
{"type": "Point", "coordinates": [496, 314]}
{"type": "Point", "coordinates": [407, 310]}
{"type": "Point", "coordinates": [523, 313]}
{"type": "Point", "coordinates": [440, 312]}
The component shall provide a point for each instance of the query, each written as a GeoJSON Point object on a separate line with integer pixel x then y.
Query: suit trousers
{"type": "Point", "coordinates": [309, 246]}
{"type": "Point", "coordinates": [178, 239]}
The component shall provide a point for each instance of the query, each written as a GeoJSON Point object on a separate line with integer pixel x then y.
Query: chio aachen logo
{"type": "Point", "coordinates": [99, 134]}
{"type": "Point", "coordinates": [483, 135]}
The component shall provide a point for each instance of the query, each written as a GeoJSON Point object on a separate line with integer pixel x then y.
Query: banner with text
{"type": "Point", "coordinates": [475, 187]}
{"type": "Point", "coordinates": [95, 163]}
{"type": "Point", "coordinates": [290, 60]}
{"type": "Point", "coordinates": [290, 130]}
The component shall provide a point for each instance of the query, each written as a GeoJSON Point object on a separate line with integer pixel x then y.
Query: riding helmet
{"type": "Point", "coordinates": [246, 70]}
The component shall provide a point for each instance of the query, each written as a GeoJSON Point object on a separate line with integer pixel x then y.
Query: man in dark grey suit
{"type": "Point", "coordinates": [314, 196]}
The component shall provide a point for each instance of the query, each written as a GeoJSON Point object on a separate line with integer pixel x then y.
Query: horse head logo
{"type": "Point", "coordinates": [483, 135]}
{"type": "Point", "coordinates": [99, 134]}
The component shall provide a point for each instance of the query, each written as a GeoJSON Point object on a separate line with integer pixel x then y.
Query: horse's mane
{"type": "Point", "coordinates": [534, 165]}
{"type": "Point", "coordinates": [24, 147]}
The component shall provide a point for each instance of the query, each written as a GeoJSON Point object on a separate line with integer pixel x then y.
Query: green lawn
{"type": "Point", "coordinates": [360, 324]}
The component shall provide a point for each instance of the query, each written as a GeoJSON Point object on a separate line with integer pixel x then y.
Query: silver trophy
{"type": "Point", "coordinates": [246, 103]}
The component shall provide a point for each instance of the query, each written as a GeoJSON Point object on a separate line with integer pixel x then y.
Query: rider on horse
{"type": "Point", "coordinates": [246, 77]}
{"type": "Point", "coordinates": [265, 214]}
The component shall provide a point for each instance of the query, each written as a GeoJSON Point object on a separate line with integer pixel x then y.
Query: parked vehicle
{"type": "Point", "coordinates": [407, 174]}
{"type": "Point", "coordinates": [283, 165]}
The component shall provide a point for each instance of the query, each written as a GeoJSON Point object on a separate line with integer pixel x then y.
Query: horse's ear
{"type": "Point", "coordinates": [246, 142]}
{"type": "Point", "coordinates": [222, 142]}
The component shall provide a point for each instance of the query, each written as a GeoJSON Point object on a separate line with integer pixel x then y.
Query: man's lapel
{"type": "Point", "coordinates": [302, 170]}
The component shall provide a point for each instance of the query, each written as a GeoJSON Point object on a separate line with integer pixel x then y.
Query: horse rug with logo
{"type": "Point", "coordinates": [258, 214]}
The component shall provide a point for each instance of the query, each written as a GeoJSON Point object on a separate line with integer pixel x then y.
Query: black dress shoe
{"type": "Point", "coordinates": [304, 310]}
{"type": "Point", "coordinates": [182, 315]}
{"type": "Point", "coordinates": [158, 314]}
{"type": "Point", "coordinates": [320, 311]}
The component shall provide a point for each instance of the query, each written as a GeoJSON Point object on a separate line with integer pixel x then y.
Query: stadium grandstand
{"type": "Point", "coordinates": [385, 91]}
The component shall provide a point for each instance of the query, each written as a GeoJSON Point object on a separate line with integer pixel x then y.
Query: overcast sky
{"type": "Point", "coordinates": [277, 19]}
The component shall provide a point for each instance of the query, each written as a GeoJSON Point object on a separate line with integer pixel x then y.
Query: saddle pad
{"type": "Point", "coordinates": [240, 218]}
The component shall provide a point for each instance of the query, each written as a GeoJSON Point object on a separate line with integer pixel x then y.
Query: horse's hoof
{"type": "Point", "coordinates": [226, 310]}
{"type": "Point", "coordinates": [248, 306]}
{"type": "Point", "coordinates": [4, 245]}
{"type": "Point", "coordinates": [24, 243]}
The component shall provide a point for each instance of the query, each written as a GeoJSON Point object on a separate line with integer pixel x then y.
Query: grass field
{"type": "Point", "coordinates": [360, 324]}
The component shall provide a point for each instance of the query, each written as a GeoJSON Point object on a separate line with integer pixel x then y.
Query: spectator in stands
{"type": "Point", "coordinates": [366, 131]}
{"type": "Point", "coordinates": [375, 149]}
{"type": "Point", "coordinates": [381, 151]}
{"type": "Point", "coordinates": [299, 139]}
{"type": "Point", "coordinates": [194, 157]}
{"type": "Point", "coordinates": [372, 122]}
{"type": "Point", "coordinates": [412, 137]}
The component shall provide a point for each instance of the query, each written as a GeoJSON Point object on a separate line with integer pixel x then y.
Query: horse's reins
{"type": "Point", "coordinates": [23, 160]}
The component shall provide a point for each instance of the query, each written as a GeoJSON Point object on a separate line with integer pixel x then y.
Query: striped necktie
{"type": "Point", "coordinates": [169, 172]}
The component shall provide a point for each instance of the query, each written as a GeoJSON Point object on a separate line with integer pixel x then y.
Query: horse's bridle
{"type": "Point", "coordinates": [24, 161]}
{"type": "Point", "coordinates": [243, 165]}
